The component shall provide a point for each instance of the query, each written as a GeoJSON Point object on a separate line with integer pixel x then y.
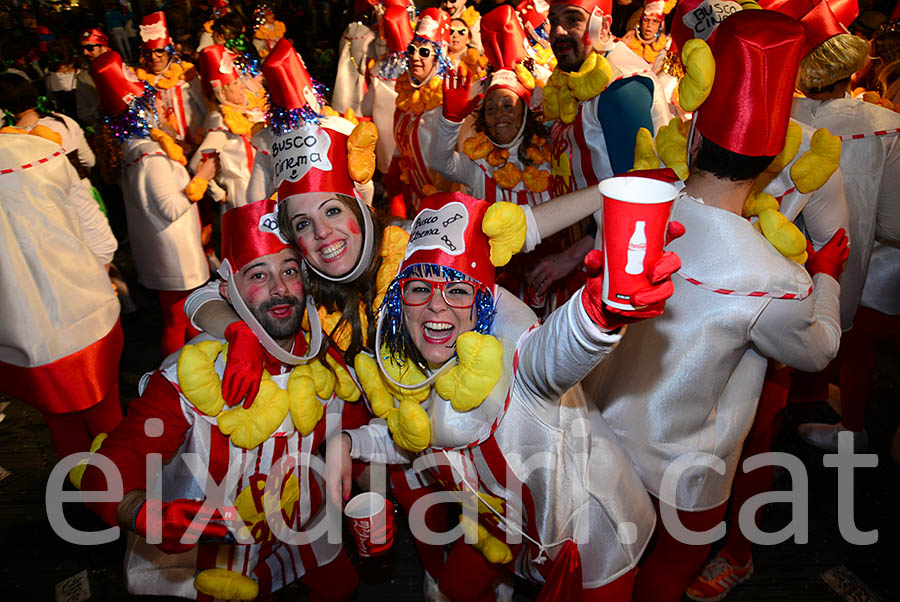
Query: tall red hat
{"type": "Point", "coordinates": [251, 231]}
{"type": "Point", "coordinates": [758, 53]}
{"type": "Point", "coordinates": [605, 6]}
{"type": "Point", "coordinates": [447, 232]}
{"type": "Point", "coordinates": [94, 36]}
{"type": "Point", "coordinates": [699, 19]}
{"type": "Point", "coordinates": [217, 67]}
{"type": "Point", "coordinates": [820, 19]}
{"type": "Point", "coordinates": [290, 86]}
{"type": "Point", "coordinates": [434, 25]}
{"type": "Point", "coordinates": [505, 43]}
{"type": "Point", "coordinates": [154, 31]}
{"type": "Point", "coordinates": [533, 11]}
{"type": "Point", "coordinates": [117, 85]}
{"type": "Point", "coordinates": [311, 158]}
{"type": "Point", "coordinates": [397, 31]}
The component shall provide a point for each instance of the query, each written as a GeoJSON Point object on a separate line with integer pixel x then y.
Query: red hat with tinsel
{"type": "Point", "coordinates": [533, 11]}
{"type": "Point", "coordinates": [505, 43]}
{"type": "Point", "coordinates": [217, 67]}
{"type": "Point", "coordinates": [154, 32]}
{"type": "Point", "coordinates": [117, 85]}
{"type": "Point", "coordinates": [749, 107]}
{"type": "Point", "coordinates": [251, 231]}
{"type": "Point", "coordinates": [311, 158]}
{"type": "Point", "coordinates": [94, 36]}
{"type": "Point", "coordinates": [290, 86]}
{"type": "Point", "coordinates": [605, 6]}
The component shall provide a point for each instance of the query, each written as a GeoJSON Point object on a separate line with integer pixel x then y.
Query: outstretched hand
{"type": "Point", "coordinates": [457, 104]}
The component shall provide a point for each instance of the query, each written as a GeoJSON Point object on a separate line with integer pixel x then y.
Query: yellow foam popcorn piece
{"type": "Point", "coordinates": [504, 225]}
{"type": "Point", "coordinates": [223, 584]}
{"type": "Point", "coordinates": [493, 550]}
{"type": "Point", "coordinates": [699, 73]}
{"type": "Point", "coordinates": [305, 408]}
{"type": "Point", "coordinates": [644, 152]}
{"type": "Point", "coordinates": [248, 428]}
{"type": "Point", "coordinates": [592, 77]}
{"type": "Point", "coordinates": [410, 426]}
{"type": "Point", "coordinates": [369, 376]}
{"type": "Point", "coordinates": [468, 383]}
{"type": "Point", "coordinates": [345, 388]}
{"type": "Point", "coordinates": [671, 144]}
{"type": "Point", "coordinates": [783, 234]}
{"type": "Point", "coordinates": [758, 202]}
{"type": "Point", "coordinates": [197, 376]}
{"type": "Point", "coordinates": [813, 169]}
{"type": "Point", "coordinates": [323, 378]}
{"type": "Point", "coordinates": [361, 151]}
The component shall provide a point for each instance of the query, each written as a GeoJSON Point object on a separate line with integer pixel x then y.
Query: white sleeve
{"type": "Point", "coordinates": [449, 163]}
{"type": "Point", "coordinates": [163, 197]}
{"type": "Point", "coordinates": [558, 354]}
{"type": "Point", "coordinates": [887, 221]}
{"type": "Point", "coordinates": [372, 443]}
{"type": "Point", "coordinates": [95, 230]}
{"type": "Point", "coordinates": [261, 186]}
{"type": "Point", "coordinates": [201, 296]}
{"type": "Point", "coordinates": [826, 211]}
{"type": "Point", "coordinates": [802, 334]}
{"type": "Point", "coordinates": [85, 154]}
{"type": "Point", "coordinates": [532, 232]}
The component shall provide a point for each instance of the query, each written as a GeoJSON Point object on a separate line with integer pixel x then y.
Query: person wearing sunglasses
{"type": "Point", "coordinates": [469, 383]}
{"type": "Point", "coordinates": [87, 102]}
{"type": "Point", "coordinates": [176, 80]}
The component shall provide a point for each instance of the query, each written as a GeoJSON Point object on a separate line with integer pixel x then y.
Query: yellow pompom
{"type": "Point", "coordinates": [493, 550]}
{"type": "Point", "coordinates": [591, 78]}
{"type": "Point", "coordinates": [699, 73]}
{"type": "Point", "coordinates": [758, 202]}
{"type": "Point", "coordinates": [644, 153]}
{"type": "Point", "coordinates": [783, 234]}
{"type": "Point", "coordinates": [306, 409]}
{"type": "Point", "coordinates": [671, 144]}
{"type": "Point", "coordinates": [248, 428]}
{"type": "Point", "coordinates": [197, 376]}
{"type": "Point", "coordinates": [369, 376]}
{"type": "Point", "coordinates": [196, 188]}
{"type": "Point", "coordinates": [410, 426]}
{"type": "Point", "coordinates": [468, 383]}
{"type": "Point", "coordinates": [223, 584]}
{"type": "Point", "coordinates": [361, 151]}
{"type": "Point", "coordinates": [323, 378]}
{"type": "Point", "coordinates": [813, 169]}
{"type": "Point", "coordinates": [504, 224]}
{"type": "Point", "coordinates": [345, 388]}
{"type": "Point", "coordinates": [77, 472]}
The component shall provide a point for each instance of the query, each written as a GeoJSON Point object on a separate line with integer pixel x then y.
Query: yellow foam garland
{"type": "Point", "coordinates": [699, 72]}
{"type": "Point", "coordinates": [564, 90]}
{"type": "Point", "coordinates": [172, 149]}
{"type": "Point", "coordinates": [421, 99]}
{"type": "Point", "coordinates": [504, 224]}
{"type": "Point", "coordinates": [196, 188]}
{"type": "Point", "coordinates": [361, 151]}
{"type": "Point", "coordinates": [276, 32]}
{"type": "Point", "coordinates": [236, 121]}
{"type": "Point", "coordinates": [783, 235]}
{"type": "Point", "coordinates": [174, 74]}
{"type": "Point", "coordinates": [671, 144]}
{"type": "Point", "coordinates": [248, 428]}
{"type": "Point", "coordinates": [816, 166]}
{"type": "Point", "coordinates": [197, 376]}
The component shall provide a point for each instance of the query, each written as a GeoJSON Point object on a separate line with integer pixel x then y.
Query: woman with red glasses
{"type": "Point", "coordinates": [489, 402]}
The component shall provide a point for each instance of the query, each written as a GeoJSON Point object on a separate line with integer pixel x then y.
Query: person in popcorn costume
{"type": "Point", "coordinates": [230, 125]}
{"type": "Point", "coordinates": [163, 220]}
{"type": "Point", "coordinates": [734, 284]}
{"type": "Point", "coordinates": [256, 449]}
{"type": "Point", "coordinates": [648, 39]}
{"type": "Point", "coordinates": [464, 377]}
{"type": "Point", "coordinates": [177, 81]}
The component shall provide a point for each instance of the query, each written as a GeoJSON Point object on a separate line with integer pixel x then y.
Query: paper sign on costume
{"type": "Point", "coordinates": [268, 223]}
{"type": "Point", "coordinates": [155, 31]}
{"type": "Point", "coordinates": [704, 19]}
{"type": "Point", "coordinates": [443, 230]}
{"type": "Point", "coordinates": [294, 154]}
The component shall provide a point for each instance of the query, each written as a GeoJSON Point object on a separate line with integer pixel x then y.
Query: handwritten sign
{"type": "Point", "coordinates": [295, 153]}
{"type": "Point", "coordinates": [704, 19]}
{"type": "Point", "coordinates": [443, 230]}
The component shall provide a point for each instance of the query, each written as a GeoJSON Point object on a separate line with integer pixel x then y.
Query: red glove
{"type": "Point", "coordinates": [457, 104]}
{"type": "Point", "coordinates": [830, 259]}
{"type": "Point", "coordinates": [651, 300]}
{"type": "Point", "coordinates": [175, 518]}
{"type": "Point", "coordinates": [244, 367]}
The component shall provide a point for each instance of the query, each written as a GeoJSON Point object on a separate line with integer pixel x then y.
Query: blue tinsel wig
{"type": "Point", "coordinates": [441, 58]}
{"type": "Point", "coordinates": [138, 119]}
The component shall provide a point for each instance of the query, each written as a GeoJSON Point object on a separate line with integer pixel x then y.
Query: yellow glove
{"type": "Point", "coordinates": [783, 235]}
{"type": "Point", "coordinates": [410, 426]}
{"type": "Point", "coordinates": [813, 169]}
{"type": "Point", "coordinates": [468, 383]}
{"type": "Point", "coordinates": [223, 584]}
{"type": "Point", "coordinates": [306, 409]}
{"type": "Point", "coordinates": [504, 225]}
{"type": "Point", "coordinates": [699, 73]}
{"type": "Point", "coordinates": [248, 428]}
{"type": "Point", "coordinates": [493, 550]}
{"type": "Point", "coordinates": [197, 376]}
{"type": "Point", "coordinates": [644, 153]}
{"type": "Point", "coordinates": [671, 144]}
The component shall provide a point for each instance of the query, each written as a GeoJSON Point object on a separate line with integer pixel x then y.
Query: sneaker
{"type": "Point", "coordinates": [825, 436]}
{"type": "Point", "coordinates": [717, 578]}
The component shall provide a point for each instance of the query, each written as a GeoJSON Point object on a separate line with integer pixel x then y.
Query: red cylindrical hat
{"type": "Point", "coordinates": [290, 86]}
{"type": "Point", "coordinates": [434, 25]}
{"type": "Point", "coordinates": [116, 84]}
{"type": "Point", "coordinates": [311, 158]}
{"type": "Point", "coordinates": [818, 17]}
{"type": "Point", "coordinates": [154, 31]}
{"type": "Point", "coordinates": [503, 38]}
{"type": "Point", "coordinates": [397, 30]}
{"type": "Point", "coordinates": [697, 19]}
{"type": "Point", "coordinates": [94, 36]}
{"type": "Point", "coordinates": [605, 6]}
{"type": "Point", "coordinates": [757, 55]}
{"type": "Point", "coordinates": [533, 11]}
{"type": "Point", "coordinates": [250, 232]}
{"type": "Point", "coordinates": [447, 232]}
{"type": "Point", "coordinates": [217, 67]}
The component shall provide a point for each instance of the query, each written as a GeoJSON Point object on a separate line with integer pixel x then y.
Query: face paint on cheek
{"type": "Point", "coordinates": [301, 244]}
{"type": "Point", "coordinates": [253, 293]}
{"type": "Point", "coordinates": [353, 227]}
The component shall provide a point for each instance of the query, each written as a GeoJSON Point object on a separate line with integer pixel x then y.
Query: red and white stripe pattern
{"type": "Point", "coordinates": [871, 134]}
{"type": "Point", "coordinates": [737, 293]}
{"type": "Point", "coordinates": [24, 166]}
{"type": "Point", "coordinates": [406, 134]}
{"type": "Point", "coordinates": [142, 157]}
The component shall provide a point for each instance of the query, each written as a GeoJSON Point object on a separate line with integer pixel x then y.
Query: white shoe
{"type": "Point", "coordinates": [432, 592]}
{"type": "Point", "coordinates": [825, 436]}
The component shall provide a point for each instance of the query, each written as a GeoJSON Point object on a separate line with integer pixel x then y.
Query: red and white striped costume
{"type": "Point", "coordinates": [190, 444]}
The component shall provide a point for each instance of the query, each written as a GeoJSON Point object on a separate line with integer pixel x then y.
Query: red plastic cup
{"type": "Point", "coordinates": [635, 213]}
{"type": "Point", "coordinates": [206, 155]}
{"type": "Point", "coordinates": [372, 523]}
